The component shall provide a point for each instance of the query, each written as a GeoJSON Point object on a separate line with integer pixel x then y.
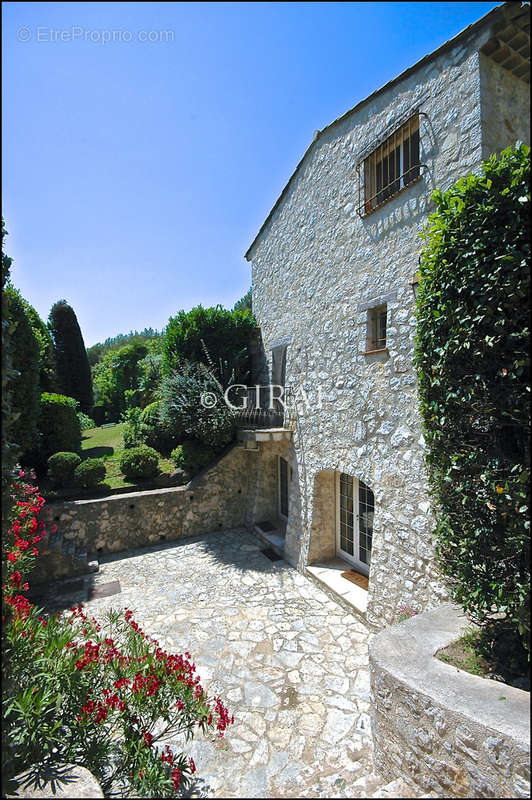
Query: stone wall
{"type": "Point", "coordinates": [449, 732]}
{"type": "Point", "coordinates": [317, 267]}
{"type": "Point", "coordinates": [237, 491]}
{"type": "Point", "coordinates": [505, 108]}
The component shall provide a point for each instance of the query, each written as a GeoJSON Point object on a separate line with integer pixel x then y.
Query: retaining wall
{"type": "Point", "coordinates": [447, 731]}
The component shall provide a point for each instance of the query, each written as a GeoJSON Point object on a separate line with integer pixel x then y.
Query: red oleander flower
{"type": "Point", "coordinates": [16, 578]}
{"type": "Point", "coordinates": [11, 557]}
{"type": "Point", "coordinates": [176, 777]}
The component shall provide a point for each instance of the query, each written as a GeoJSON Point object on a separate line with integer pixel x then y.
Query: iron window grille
{"type": "Point", "coordinates": [390, 167]}
{"type": "Point", "coordinates": [377, 322]}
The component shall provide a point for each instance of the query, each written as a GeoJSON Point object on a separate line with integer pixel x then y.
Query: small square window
{"type": "Point", "coordinates": [376, 329]}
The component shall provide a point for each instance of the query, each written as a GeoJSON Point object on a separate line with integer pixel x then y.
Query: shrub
{"type": "Point", "coordinates": [61, 467]}
{"type": "Point", "coordinates": [135, 431]}
{"type": "Point", "coordinates": [224, 334]}
{"type": "Point", "coordinates": [101, 696]}
{"type": "Point", "coordinates": [473, 372]}
{"type": "Point", "coordinates": [156, 432]}
{"type": "Point", "coordinates": [59, 425]}
{"type": "Point", "coordinates": [192, 456]}
{"type": "Point", "coordinates": [85, 422]}
{"type": "Point", "coordinates": [193, 406]}
{"type": "Point", "coordinates": [140, 462]}
{"type": "Point", "coordinates": [89, 473]}
{"type": "Point", "coordinates": [26, 380]}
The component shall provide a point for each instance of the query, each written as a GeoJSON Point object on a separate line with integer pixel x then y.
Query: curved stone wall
{"type": "Point", "coordinates": [447, 731]}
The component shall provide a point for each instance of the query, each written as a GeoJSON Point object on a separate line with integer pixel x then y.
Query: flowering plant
{"type": "Point", "coordinates": [102, 698]}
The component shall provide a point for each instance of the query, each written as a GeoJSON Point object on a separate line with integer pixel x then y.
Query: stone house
{"type": "Point", "coordinates": [333, 274]}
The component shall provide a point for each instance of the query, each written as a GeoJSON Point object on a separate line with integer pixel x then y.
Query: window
{"type": "Point", "coordinates": [356, 507]}
{"type": "Point", "coordinates": [392, 166]}
{"type": "Point", "coordinates": [376, 329]}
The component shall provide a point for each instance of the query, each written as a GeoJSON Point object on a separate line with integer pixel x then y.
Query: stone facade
{"type": "Point", "coordinates": [318, 267]}
{"type": "Point", "coordinates": [237, 491]}
{"type": "Point", "coordinates": [452, 733]}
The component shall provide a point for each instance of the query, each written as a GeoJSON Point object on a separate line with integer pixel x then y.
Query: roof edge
{"type": "Point", "coordinates": [422, 61]}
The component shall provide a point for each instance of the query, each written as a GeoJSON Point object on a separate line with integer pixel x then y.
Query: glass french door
{"type": "Point", "coordinates": [355, 509]}
{"type": "Point", "coordinates": [283, 487]}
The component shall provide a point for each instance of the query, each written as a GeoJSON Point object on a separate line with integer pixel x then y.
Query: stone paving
{"type": "Point", "coordinates": [290, 663]}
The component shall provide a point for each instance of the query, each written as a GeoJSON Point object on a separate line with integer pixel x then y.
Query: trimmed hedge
{"type": "Point", "coordinates": [59, 425]}
{"type": "Point", "coordinates": [473, 370]}
{"type": "Point", "coordinates": [89, 473]}
{"type": "Point", "coordinates": [140, 462]}
{"type": "Point", "coordinates": [61, 467]}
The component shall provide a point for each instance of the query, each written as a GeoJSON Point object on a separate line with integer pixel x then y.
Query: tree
{"type": "Point", "coordinates": [244, 303]}
{"type": "Point", "coordinates": [473, 374]}
{"type": "Point", "coordinates": [25, 398]}
{"type": "Point", "coordinates": [211, 336]}
{"type": "Point", "coordinates": [72, 365]}
{"type": "Point", "coordinates": [9, 453]}
{"type": "Point", "coordinates": [119, 372]}
{"type": "Point", "coordinates": [47, 376]}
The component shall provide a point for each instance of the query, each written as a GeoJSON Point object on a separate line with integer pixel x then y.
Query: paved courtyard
{"type": "Point", "coordinates": [290, 663]}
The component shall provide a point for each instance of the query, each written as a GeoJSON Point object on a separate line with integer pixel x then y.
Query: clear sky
{"type": "Point", "coordinates": [137, 173]}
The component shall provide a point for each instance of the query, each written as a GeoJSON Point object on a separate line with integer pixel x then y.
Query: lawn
{"type": "Point", "coordinates": [106, 442]}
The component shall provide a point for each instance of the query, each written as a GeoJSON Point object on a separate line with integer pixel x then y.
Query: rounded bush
{"type": "Point", "coordinates": [140, 462]}
{"type": "Point", "coordinates": [61, 467]}
{"type": "Point", "coordinates": [89, 473]}
{"type": "Point", "coordinates": [192, 456]}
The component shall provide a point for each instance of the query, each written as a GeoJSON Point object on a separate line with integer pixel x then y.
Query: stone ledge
{"type": "Point", "coordinates": [441, 727]}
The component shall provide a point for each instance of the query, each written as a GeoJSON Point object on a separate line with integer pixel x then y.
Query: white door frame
{"type": "Point", "coordinates": [351, 559]}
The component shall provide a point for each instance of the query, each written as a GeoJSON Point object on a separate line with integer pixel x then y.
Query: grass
{"type": "Point", "coordinates": [107, 443]}
{"type": "Point", "coordinates": [488, 652]}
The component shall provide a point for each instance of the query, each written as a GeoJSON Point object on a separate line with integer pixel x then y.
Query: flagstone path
{"type": "Point", "coordinates": [289, 662]}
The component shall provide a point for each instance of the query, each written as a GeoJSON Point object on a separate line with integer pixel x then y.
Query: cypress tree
{"type": "Point", "coordinates": [72, 364]}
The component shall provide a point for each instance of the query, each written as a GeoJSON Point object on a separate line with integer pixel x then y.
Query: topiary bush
{"type": "Point", "coordinates": [140, 462]}
{"type": "Point", "coordinates": [61, 467]}
{"type": "Point", "coordinates": [89, 473]}
{"type": "Point", "coordinates": [192, 456]}
{"type": "Point", "coordinates": [471, 356]}
{"type": "Point", "coordinates": [59, 425]}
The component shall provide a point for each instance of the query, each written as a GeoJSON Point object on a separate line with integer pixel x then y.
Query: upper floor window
{"type": "Point", "coordinates": [392, 165]}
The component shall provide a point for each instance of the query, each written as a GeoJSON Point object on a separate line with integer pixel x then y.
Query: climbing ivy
{"type": "Point", "coordinates": [471, 356]}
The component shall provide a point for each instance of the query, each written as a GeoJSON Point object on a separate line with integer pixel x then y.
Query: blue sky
{"type": "Point", "coordinates": [136, 173]}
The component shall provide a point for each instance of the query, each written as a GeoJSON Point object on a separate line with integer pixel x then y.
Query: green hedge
{"type": "Point", "coordinates": [59, 424]}
{"type": "Point", "coordinates": [472, 363]}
